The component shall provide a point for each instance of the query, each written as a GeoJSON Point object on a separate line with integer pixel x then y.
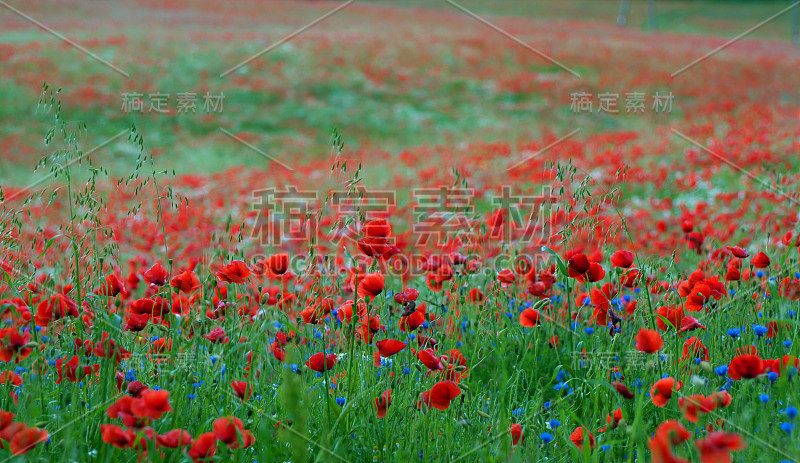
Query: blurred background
{"type": "Point", "coordinates": [209, 84]}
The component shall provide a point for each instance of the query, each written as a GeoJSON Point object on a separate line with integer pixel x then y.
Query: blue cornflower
{"type": "Point", "coordinates": [760, 330]}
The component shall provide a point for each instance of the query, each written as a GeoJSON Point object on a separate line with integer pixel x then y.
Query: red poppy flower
{"type": "Point", "coordinates": [217, 335]}
{"type": "Point", "coordinates": [733, 273]}
{"type": "Point", "coordinates": [738, 252]}
{"type": "Point", "coordinates": [517, 437]}
{"type": "Point", "coordinates": [649, 341]}
{"type": "Point", "coordinates": [622, 259]}
{"type": "Point", "coordinates": [537, 289]}
{"type": "Point", "coordinates": [628, 279]}
{"type": "Point", "coordinates": [476, 296]}
{"type": "Point", "coordinates": [204, 447]}
{"type": "Point", "coordinates": [369, 326]}
{"type": "Point", "coordinates": [694, 404]}
{"type": "Point", "coordinates": [243, 390]}
{"type": "Point", "coordinates": [668, 434]}
{"type": "Point", "coordinates": [685, 287]}
{"type": "Point", "coordinates": [345, 312]}
{"type": "Point", "coordinates": [547, 278]}
{"type": "Point", "coordinates": [662, 390]}
{"type": "Point", "coordinates": [442, 393]}
{"type": "Point", "coordinates": [122, 409]}
{"type": "Point", "coordinates": [230, 430]}
{"type": "Point", "coordinates": [443, 272]}
{"type": "Point", "coordinates": [108, 348]}
{"type": "Point", "coordinates": [69, 369]}
{"type": "Point", "coordinates": [187, 282]}
{"type": "Point", "coordinates": [690, 324]}
{"type": "Point", "coordinates": [320, 362]}
{"type": "Point", "coordinates": [430, 360]}
{"type": "Point", "coordinates": [135, 388]}
{"type": "Point", "coordinates": [142, 306]}
{"type": "Point", "coordinates": [669, 317]}
{"type": "Point", "coordinates": [111, 286]}
{"type": "Point", "coordinates": [577, 265]}
{"type": "Point", "coordinates": [623, 390]}
{"type": "Point", "coordinates": [156, 275]}
{"type": "Point", "coordinates": [136, 322]}
{"type": "Point", "coordinates": [601, 305]}
{"type": "Point", "coordinates": [314, 313]}
{"type": "Point", "coordinates": [235, 272]}
{"type": "Point", "coordinates": [506, 277]}
{"type": "Point", "coordinates": [407, 295]}
{"type": "Point", "coordinates": [760, 260]}
{"type": "Point", "coordinates": [278, 264]}
{"type": "Point", "coordinates": [613, 419]}
{"type": "Point", "coordinates": [746, 366]}
{"type": "Point", "coordinates": [389, 347]}
{"type": "Point", "coordinates": [174, 439]}
{"type": "Point", "coordinates": [13, 346]}
{"type": "Point", "coordinates": [716, 448]}
{"type": "Point", "coordinates": [455, 357]}
{"type": "Point", "coordinates": [778, 365]}
{"type": "Point", "coordinates": [772, 329]}
{"type": "Point", "coordinates": [26, 439]}
{"type": "Point", "coordinates": [55, 308]}
{"type": "Point", "coordinates": [694, 348]}
{"type": "Point", "coordinates": [716, 286]}
{"type": "Point", "coordinates": [5, 419]}
{"type": "Point", "coordinates": [378, 228]}
{"type": "Point", "coordinates": [152, 404]}
{"type": "Point", "coordinates": [579, 435]}
{"type": "Point", "coordinates": [372, 247]}
{"type": "Point", "coordinates": [9, 376]}
{"type": "Point", "coordinates": [701, 293]}
{"type": "Point", "coordinates": [720, 399]}
{"type": "Point", "coordinates": [116, 436]}
{"type": "Point", "coordinates": [595, 273]}
{"type": "Point", "coordinates": [382, 403]}
{"type": "Point", "coordinates": [10, 430]}
{"type": "Point", "coordinates": [529, 318]}
{"type": "Point", "coordinates": [370, 285]}
{"type": "Point", "coordinates": [414, 320]}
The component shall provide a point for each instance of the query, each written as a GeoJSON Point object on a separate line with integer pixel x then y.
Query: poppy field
{"type": "Point", "coordinates": [371, 231]}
